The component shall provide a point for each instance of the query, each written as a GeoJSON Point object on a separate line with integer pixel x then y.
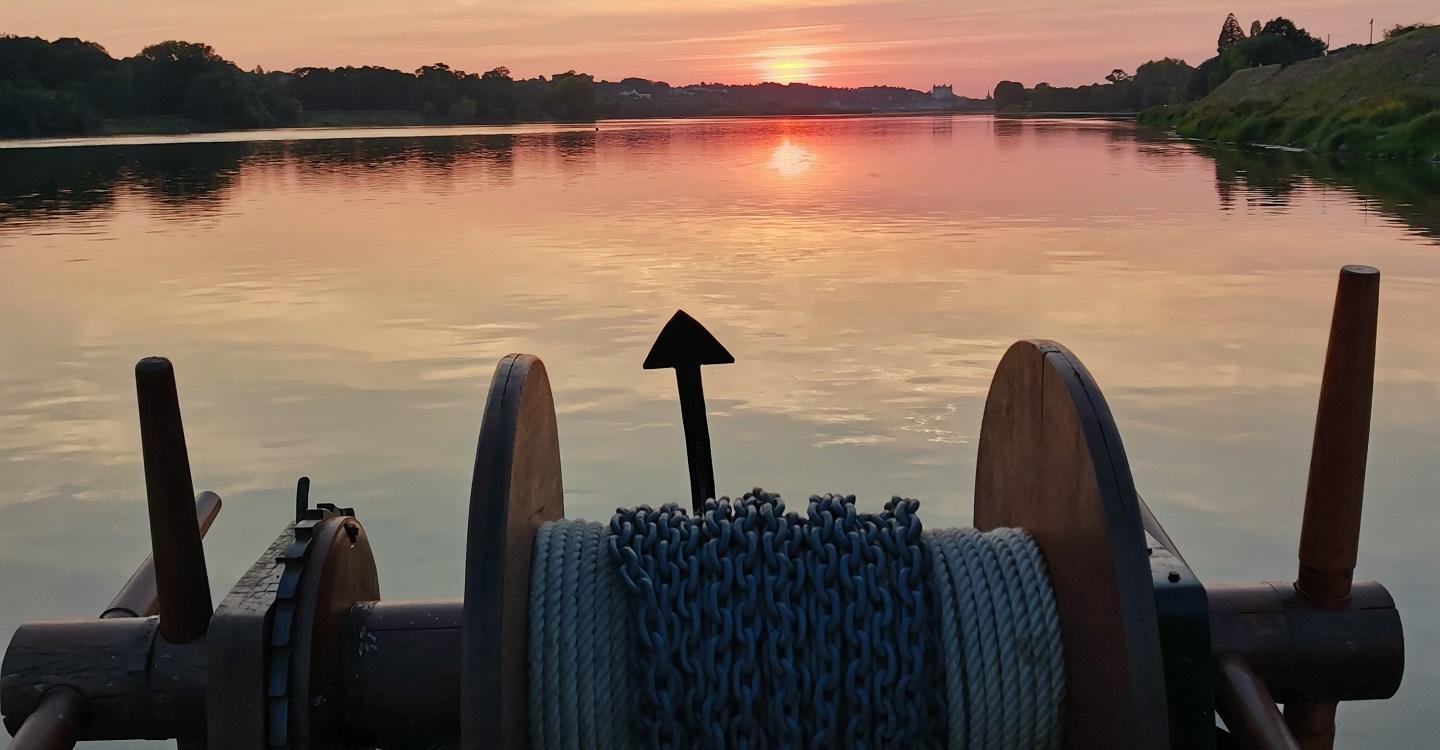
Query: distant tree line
{"type": "Point", "coordinates": [1170, 81]}
{"type": "Point", "coordinates": [639, 97]}
{"type": "Point", "coordinates": [440, 93]}
{"type": "Point", "coordinates": [1155, 82]}
{"type": "Point", "coordinates": [70, 86]}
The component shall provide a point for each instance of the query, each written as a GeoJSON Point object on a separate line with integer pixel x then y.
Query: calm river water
{"type": "Point", "coordinates": [335, 302]}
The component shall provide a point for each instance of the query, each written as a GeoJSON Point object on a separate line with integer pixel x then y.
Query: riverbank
{"type": "Point", "coordinates": [1381, 101]}
{"type": "Point", "coordinates": [142, 126]}
{"type": "Point", "coordinates": [175, 125]}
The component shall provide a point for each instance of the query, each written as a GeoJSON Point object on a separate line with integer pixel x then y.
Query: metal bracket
{"type": "Point", "coordinates": [1183, 611]}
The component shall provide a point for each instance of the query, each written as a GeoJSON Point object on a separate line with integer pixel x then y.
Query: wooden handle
{"type": "Point", "coordinates": [1330, 531]}
{"type": "Point", "coordinates": [140, 597]}
{"type": "Point", "coordinates": [181, 582]}
{"type": "Point", "coordinates": [1247, 707]}
{"type": "Point", "coordinates": [1312, 723]}
{"type": "Point", "coordinates": [55, 724]}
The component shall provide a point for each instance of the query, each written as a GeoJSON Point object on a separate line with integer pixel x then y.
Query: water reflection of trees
{"type": "Point", "coordinates": [576, 150]}
{"type": "Point", "coordinates": [1407, 191]}
{"type": "Point", "coordinates": [40, 182]}
{"type": "Point", "coordinates": [183, 180]}
{"type": "Point", "coordinates": [1007, 132]}
{"type": "Point", "coordinates": [53, 182]}
{"type": "Point", "coordinates": [193, 178]}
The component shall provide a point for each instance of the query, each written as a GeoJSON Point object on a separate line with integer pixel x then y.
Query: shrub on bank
{"type": "Point", "coordinates": [1405, 127]}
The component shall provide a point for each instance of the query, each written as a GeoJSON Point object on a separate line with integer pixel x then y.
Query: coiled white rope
{"type": "Point", "coordinates": [995, 621]}
{"type": "Point", "coordinates": [1000, 636]}
{"type": "Point", "coordinates": [580, 643]}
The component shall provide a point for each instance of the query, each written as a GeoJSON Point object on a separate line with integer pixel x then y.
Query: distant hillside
{"type": "Point", "coordinates": [1381, 100]}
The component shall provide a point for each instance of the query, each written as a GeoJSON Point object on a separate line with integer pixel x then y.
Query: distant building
{"type": "Point", "coordinates": [634, 93]}
{"type": "Point", "coordinates": [942, 91]}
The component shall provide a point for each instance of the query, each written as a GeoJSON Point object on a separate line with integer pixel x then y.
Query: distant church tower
{"type": "Point", "coordinates": [942, 91]}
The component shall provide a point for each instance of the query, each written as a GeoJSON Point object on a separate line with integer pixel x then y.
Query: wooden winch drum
{"type": "Point", "coordinates": [1050, 462]}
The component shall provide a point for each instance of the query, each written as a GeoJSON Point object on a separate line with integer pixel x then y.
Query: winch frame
{"type": "Point", "coordinates": [303, 653]}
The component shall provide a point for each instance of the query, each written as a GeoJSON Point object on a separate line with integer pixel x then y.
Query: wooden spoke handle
{"type": "Point", "coordinates": [1330, 531]}
{"type": "Point", "coordinates": [181, 583]}
{"type": "Point", "coordinates": [172, 580]}
{"type": "Point", "coordinates": [1247, 707]}
{"type": "Point", "coordinates": [140, 597]}
{"type": "Point", "coordinates": [55, 725]}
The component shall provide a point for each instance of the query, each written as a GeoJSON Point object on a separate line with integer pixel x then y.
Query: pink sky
{"type": "Point", "coordinates": [842, 42]}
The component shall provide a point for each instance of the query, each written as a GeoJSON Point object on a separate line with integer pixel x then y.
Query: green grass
{"type": "Point", "coordinates": [1382, 128]}
{"type": "Point", "coordinates": [1380, 102]}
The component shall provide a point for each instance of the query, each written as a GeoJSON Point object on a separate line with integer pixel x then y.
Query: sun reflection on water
{"type": "Point", "coordinates": [791, 160]}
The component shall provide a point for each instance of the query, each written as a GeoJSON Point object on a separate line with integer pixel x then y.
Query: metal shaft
{"type": "Point", "coordinates": [181, 581]}
{"type": "Point", "coordinates": [697, 436]}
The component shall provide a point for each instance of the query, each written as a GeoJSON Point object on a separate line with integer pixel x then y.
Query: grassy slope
{"type": "Point", "coordinates": [1379, 101]}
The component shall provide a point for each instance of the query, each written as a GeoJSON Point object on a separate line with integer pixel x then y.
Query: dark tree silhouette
{"type": "Point", "coordinates": [1280, 42]}
{"type": "Point", "coordinates": [1305, 44]}
{"type": "Point", "coordinates": [1230, 34]}
{"type": "Point", "coordinates": [1255, 28]}
{"type": "Point", "coordinates": [164, 72]}
{"type": "Point", "coordinates": [1009, 95]}
{"type": "Point", "coordinates": [573, 97]}
{"type": "Point", "coordinates": [70, 86]}
{"type": "Point", "coordinates": [1162, 81]}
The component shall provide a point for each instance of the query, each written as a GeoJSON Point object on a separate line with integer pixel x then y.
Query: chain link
{"type": "Point", "coordinates": [758, 628]}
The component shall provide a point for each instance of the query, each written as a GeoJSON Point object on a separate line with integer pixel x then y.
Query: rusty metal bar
{"type": "Point", "coordinates": [1249, 711]}
{"type": "Point", "coordinates": [181, 581]}
{"type": "Point", "coordinates": [55, 725]}
{"type": "Point", "coordinates": [140, 597]}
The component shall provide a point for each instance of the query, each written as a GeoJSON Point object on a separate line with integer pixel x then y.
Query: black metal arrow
{"type": "Point", "coordinates": [685, 345]}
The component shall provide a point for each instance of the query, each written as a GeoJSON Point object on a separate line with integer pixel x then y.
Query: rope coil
{"type": "Point", "coordinates": [750, 627]}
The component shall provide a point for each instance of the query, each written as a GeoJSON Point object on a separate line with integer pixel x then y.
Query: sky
{"type": "Point", "coordinates": [971, 44]}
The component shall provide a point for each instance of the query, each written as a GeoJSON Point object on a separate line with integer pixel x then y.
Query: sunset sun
{"type": "Point", "coordinates": [790, 64]}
